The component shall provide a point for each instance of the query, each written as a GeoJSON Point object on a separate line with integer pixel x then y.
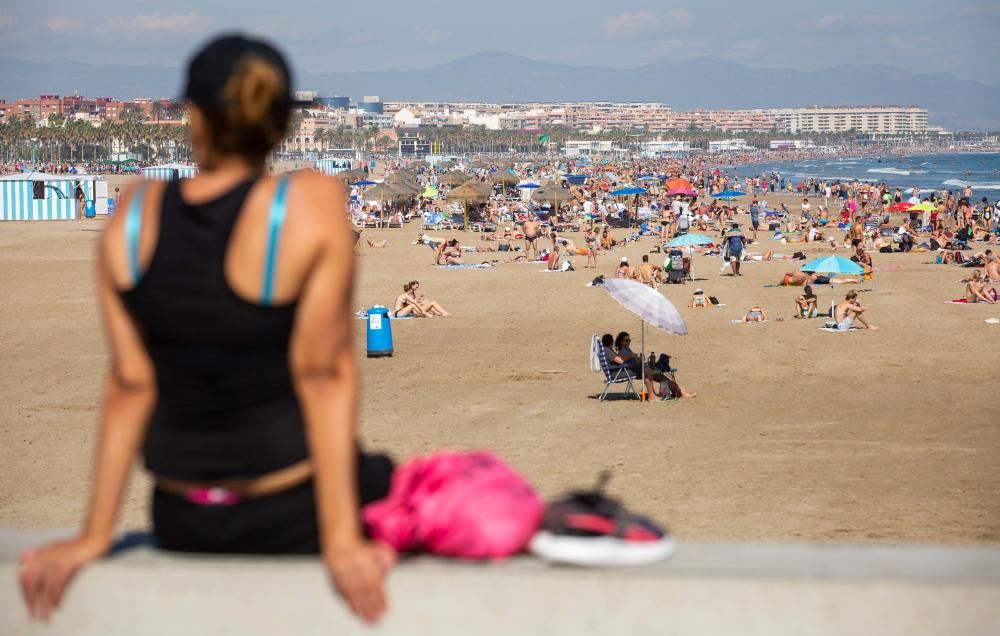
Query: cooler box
{"type": "Point", "coordinates": [89, 210]}
{"type": "Point", "coordinates": [379, 332]}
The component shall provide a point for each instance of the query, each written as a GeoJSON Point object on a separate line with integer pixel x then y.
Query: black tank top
{"type": "Point", "coordinates": [226, 405]}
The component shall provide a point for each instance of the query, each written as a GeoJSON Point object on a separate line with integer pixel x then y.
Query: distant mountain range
{"type": "Point", "coordinates": [704, 82]}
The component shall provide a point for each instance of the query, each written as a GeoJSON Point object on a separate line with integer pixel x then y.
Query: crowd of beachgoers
{"type": "Point", "coordinates": [569, 216]}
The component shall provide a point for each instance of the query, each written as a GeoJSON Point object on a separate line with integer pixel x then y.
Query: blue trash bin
{"type": "Point", "coordinates": [379, 332]}
{"type": "Point", "coordinates": [111, 207]}
{"type": "Point", "coordinates": [89, 211]}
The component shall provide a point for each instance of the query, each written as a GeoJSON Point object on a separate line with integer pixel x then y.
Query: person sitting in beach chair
{"type": "Point", "coordinates": [669, 388]}
{"type": "Point", "coordinates": [614, 369]}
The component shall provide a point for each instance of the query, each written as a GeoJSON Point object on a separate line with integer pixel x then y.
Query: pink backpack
{"type": "Point", "coordinates": [465, 505]}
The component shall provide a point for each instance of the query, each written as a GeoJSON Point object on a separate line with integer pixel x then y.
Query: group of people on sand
{"type": "Point", "coordinates": [645, 273]}
{"type": "Point", "coordinates": [618, 351]}
{"type": "Point", "coordinates": [413, 303]}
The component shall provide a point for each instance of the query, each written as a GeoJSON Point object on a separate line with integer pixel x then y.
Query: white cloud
{"type": "Point", "coordinates": [173, 22]}
{"type": "Point", "coordinates": [434, 37]}
{"type": "Point", "coordinates": [980, 10]}
{"type": "Point", "coordinates": [636, 23]}
{"type": "Point", "coordinates": [144, 24]}
{"type": "Point", "coordinates": [62, 24]}
{"type": "Point", "coordinates": [827, 21]}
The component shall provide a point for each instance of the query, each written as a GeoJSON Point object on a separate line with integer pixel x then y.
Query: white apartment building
{"type": "Point", "coordinates": [591, 148]}
{"type": "Point", "coordinates": [888, 120]}
{"type": "Point", "coordinates": [729, 145]}
{"type": "Point", "coordinates": [660, 148]}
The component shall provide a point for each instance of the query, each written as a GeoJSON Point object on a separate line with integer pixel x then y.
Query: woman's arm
{"type": "Point", "coordinates": [326, 381]}
{"type": "Point", "coordinates": [129, 396]}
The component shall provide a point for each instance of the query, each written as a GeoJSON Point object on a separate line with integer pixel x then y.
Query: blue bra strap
{"type": "Point", "coordinates": [133, 225]}
{"type": "Point", "coordinates": [276, 219]}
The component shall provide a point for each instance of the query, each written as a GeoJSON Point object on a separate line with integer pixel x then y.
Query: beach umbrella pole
{"type": "Point", "coordinates": [642, 358]}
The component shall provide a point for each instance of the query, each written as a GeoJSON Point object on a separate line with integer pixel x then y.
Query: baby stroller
{"type": "Point", "coordinates": [675, 267]}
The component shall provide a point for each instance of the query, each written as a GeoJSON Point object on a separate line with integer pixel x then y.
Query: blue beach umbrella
{"type": "Point", "coordinates": [628, 190]}
{"type": "Point", "coordinates": [528, 186]}
{"type": "Point", "coordinates": [729, 194]}
{"type": "Point", "coordinates": [690, 240]}
{"type": "Point", "coordinates": [833, 265]}
{"type": "Point", "coordinates": [649, 177]}
{"type": "Point", "coordinates": [363, 183]}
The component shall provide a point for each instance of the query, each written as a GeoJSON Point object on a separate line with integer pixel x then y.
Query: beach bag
{"type": "Point", "coordinates": [464, 505]}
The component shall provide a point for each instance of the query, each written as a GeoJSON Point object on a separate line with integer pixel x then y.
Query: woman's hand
{"type": "Point", "coordinates": [45, 572]}
{"type": "Point", "coordinates": [358, 573]}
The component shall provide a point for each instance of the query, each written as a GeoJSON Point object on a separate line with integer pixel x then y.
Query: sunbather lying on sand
{"type": "Point", "coordinates": [755, 314]}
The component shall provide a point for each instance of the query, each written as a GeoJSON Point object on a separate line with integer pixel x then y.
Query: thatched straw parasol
{"type": "Point", "coordinates": [454, 178]}
{"type": "Point", "coordinates": [554, 194]}
{"type": "Point", "coordinates": [467, 192]}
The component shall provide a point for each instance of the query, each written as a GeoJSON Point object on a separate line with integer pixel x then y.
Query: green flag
{"type": "Point", "coordinates": [543, 138]}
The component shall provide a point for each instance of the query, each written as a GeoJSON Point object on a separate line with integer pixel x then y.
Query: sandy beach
{"type": "Point", "coordinates": [796, 433]}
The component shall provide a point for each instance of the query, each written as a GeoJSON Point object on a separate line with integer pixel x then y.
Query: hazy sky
{"type": "Point", "coordinates": [961, 37]}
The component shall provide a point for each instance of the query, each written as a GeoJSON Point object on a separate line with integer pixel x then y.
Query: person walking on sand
{"type": "Point", "coordinates": [591, 241]}
{"type": "Point", "coordinates": [532, 229]}
{"type": "Point", "coordinates": [735, 242]}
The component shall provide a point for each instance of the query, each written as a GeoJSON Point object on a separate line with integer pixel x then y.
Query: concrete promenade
{"type": "Point", "coordinates": [705, 589]}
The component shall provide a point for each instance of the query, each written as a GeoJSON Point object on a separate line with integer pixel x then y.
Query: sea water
{"type": "Point", "coordinates": [952, 172]}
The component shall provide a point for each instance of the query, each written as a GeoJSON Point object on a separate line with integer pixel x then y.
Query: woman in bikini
{"type": "Point", "coordinates": [698, 299]}
{"type": "Point", "coordinates": [591, 241]}
{"type": "Point", "coordinates": [428, 306]}
{"type": "Point", "coordinates": [975, 290]}
{"type": "Point", "coordinates": [406, 306]}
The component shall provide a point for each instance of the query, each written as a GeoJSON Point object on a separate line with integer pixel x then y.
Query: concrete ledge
{"type": "Point", "coordinates": [704, 589]}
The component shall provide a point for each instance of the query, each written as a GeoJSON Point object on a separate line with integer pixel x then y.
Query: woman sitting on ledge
{"type": "Point", "coordinates": [231, 364]}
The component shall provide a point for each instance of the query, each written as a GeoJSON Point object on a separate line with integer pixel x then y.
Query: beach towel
{"type": "Point", "coordinates": [465, 505]}
{"type": "Point", "coordinates": [835, 330]}
{"type": "Point", "coordinates": [467, 266]}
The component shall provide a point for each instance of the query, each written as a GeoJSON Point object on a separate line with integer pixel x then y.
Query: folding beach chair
{"type": "Point", "coordinates": [432, 222]}
{"type": "Point", "coordinates": [613, 373]}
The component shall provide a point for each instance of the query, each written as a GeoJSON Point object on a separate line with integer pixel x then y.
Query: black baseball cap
{"type": "Point", "coordinates": [212, 66]}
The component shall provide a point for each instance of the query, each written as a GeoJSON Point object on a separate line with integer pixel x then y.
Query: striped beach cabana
{"type": "Point", "coordinates": [37, 196]}
{"type": "Point", "coordinates": [333, 166]}
{"type": "Point", "coordinates": [169, 171]}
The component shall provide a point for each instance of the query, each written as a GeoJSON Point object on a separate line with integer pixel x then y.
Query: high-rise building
{"type": "Point", "coordinates": [862, 119]}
